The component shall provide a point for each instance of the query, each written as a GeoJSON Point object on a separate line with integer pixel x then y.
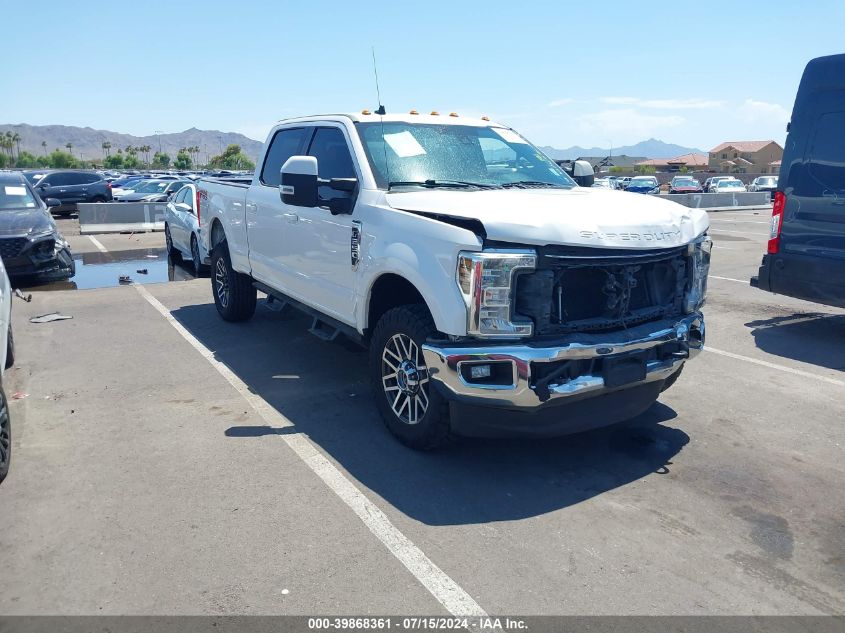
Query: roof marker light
{"type": "Point", "coordinates": [413, 112]}
{"type": "Point", "coordinates": [453, 114]}
{"type": "Point", "coordinates": [365, 112]}
{"type": "Point", "coordinates": [485, 118]}
{"type": "Point", "coordinates": [435, 113]}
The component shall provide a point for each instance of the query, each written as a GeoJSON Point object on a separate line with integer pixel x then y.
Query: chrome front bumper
{"type": "Point", "coordinates": [445, 362]}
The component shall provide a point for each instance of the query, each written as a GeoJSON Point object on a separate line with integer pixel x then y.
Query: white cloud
{"type": "Point", "coordinates": [619, 100]}
{"type": "Point", "coordinates": [560, 102]}
{"type": "Point", "coordinates": [665, 104]}
{"type": "Point", "coordinates": [627, 125]}
{"type": "Point", "coordinates": [762, 111]}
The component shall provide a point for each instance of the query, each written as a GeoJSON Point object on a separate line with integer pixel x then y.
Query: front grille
{"type": "Point", "coordinates": [12, 246]}
{"type": "Point", "coordinates": [595, 290]}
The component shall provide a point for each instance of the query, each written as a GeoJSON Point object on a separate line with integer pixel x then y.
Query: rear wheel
{"type": "Point", "coordinates": [5, 436]}
{"type": "Point", "coordinates": [98, 199]}
{"type": "Point", "coordinates": [195, 255]}
{"type": "Point", "coordinates": [414, 412]}
{"type": "Point", "coordinates": [234, 294]}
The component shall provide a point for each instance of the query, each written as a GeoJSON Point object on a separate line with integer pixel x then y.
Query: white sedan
{"type": "Point", "coordinates": [729, 186]}
{"type": "Point", "coordinates": [182, 226]}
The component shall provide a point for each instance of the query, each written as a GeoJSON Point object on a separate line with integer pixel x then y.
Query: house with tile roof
{"type": "Point", "coordinates": [745, 157]}
{"type": "Point", "coordinates": [690, 162]}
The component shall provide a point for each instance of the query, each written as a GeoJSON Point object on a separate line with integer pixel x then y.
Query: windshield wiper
{"type": "Point", "coordinates": [526, 184]}
{"type": "Point", "coordinates": [452, 184]}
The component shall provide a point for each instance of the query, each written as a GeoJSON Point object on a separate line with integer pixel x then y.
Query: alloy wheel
{"type": "Point", "coordinates": [5, 434]}
{"type": "Point", "coordinates": [405, 378]}
{"type": "Point", "coordinates": [221, 282]}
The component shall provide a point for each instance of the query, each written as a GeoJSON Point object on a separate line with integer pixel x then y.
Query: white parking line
{"type": "Point", "coordinates": [741, 281]}
{"type": "Point", "coordinates": [784, 368]}
{"type": "Point", "coordinates": [738, 221]}
{"type": "Point", "coordinates": [445, 590]}
{"type": "Point", "coordinates": [98, 244]}
{"type": "Point", "coordinates": [737, 232]}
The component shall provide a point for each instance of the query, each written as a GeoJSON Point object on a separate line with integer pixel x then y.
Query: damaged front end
{"type": "Point", "coordinates": [572, 322]}
{"type": "Point", "coordinates": [45, 256]}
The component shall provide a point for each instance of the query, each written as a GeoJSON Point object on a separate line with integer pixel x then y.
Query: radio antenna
{"type": "Point", "coordinates": [381, 112]}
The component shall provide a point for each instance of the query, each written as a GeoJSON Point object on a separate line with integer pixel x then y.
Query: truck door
{"type": "Point", "coordinates": [268, 218]}
{"type": "Point", "coordinates": [814, 223]}
{"type": "Point", "coordinates": [318, 245]}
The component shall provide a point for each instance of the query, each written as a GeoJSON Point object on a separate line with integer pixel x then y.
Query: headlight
{"type": "Point", "coordinates": [486, 282]}
{"type": "Point", "coordinates": [699, 261]}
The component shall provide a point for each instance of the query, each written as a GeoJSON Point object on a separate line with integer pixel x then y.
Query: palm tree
{"type": "Point", "coordinates": [44, 145]}
{"type": "Point", "coordinates": [17, 140]}
{"type": "Point", "coordinates": [69, 148]}
{"type": "Point", "coordinates": [106, 147]}
{"type": "Point", "coordinates": [7, 144]}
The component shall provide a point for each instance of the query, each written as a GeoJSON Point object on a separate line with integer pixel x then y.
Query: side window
{"type": "Point", "coordinates": [91, 178]}
{"type": "Point", "coordinates": [333, 159]}
{"type": "Point", "coordinates": [75, 178]}
{"type": "Point", "coordinates": [285, 143]}
{"type": "Point", "coordinates": [826, 158]}
{"type": "Point", "coordinates": [59, 180]}
{"type": "Point", "coordinates": [180, 197]}
{"type": "Point", "coordinates": [497, 154]}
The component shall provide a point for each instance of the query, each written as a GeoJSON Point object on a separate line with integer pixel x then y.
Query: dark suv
{"type": "Point", "coordinates": [72, 187]}
{"type": "Point", "coordinates": [806, 251]}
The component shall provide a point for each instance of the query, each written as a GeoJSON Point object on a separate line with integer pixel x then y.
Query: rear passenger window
{"type": "Point", "coordinates": [285, 143]}
{"type": "Point", "coordinates": [90, 178]}
{"type": "Point", "coordinates": [826, 160]}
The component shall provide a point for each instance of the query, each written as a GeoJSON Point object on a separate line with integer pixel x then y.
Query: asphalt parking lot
{"type": "Point", "coordinates": [167, 462]}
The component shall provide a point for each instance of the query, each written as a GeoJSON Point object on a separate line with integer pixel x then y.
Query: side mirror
{"type": "Point", "coordinates": [583, 174]}
{"type": "Point", "coordinates": [340, 206]}
{"type": "Point", "coordinates": [343, 184]}
{"type": "Point", "coordinates": [182, 206]}
{"type": "Point", "coordinates": [299, 181]}
{"type": "Point", "coordinates": [53, 202]}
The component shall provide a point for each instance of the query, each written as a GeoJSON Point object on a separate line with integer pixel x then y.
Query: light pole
{"type": "Point", "coordinates": [159, 139]}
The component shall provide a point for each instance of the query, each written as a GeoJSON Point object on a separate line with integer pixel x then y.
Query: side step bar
{"type": "Point", "coordinates": [323, 326]}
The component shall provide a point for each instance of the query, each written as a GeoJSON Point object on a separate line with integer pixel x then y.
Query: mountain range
{"type": "Point", "coordinates": [87, 143]}
{"type": "Point", "coordinates": [652, 148]}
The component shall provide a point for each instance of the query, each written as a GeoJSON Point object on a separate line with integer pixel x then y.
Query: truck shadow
{"type": "Point", "coordinates": [322, 389]}
{"type": "Point", "coordinates": [809, 337]}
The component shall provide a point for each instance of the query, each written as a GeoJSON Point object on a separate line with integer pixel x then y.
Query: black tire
{"type": "Point", "coordinates": [671, 379]}
{"type": "Point", "coordinates": [195, 255]}
{"type": "Point", "coordinates": [10, 349]}
{"type": "Point", "coordinates": [5, 436]}
{"type": "Point", "coordinates": [234, 294]}
{"type": "Point", "coordinates": [98, 199]}
{"type": "Point", "coordinates": [168, 243]}
{"type": "Point", "coordinates": [420, 430]}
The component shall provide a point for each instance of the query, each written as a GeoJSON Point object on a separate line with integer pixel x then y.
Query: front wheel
{"type": "Point", "coordinates": [168, 243]}
{"type": "Point", "coordinates": [414, 412]}
{"type": "Point", "coordinates": [5, 436]}
{"type": "Point", "coordinates": [234, 294]}
{"type": "Point", "coordinates": [10, 349]}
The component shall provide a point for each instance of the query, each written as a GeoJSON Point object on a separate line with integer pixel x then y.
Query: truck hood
{"type": "Point", "coordinates": [580, 216]}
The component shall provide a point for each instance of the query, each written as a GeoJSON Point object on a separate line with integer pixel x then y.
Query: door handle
{"type": "Point", "coordinates": [251, 207]}
{"type": "Point", "coordinates": [293, 218]}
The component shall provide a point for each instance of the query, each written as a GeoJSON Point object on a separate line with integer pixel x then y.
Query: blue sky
{"type": "Point", "coordinates": [562, 73]}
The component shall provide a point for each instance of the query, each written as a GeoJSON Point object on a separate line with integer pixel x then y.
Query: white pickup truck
{"type": "Point", "coordinates": [473, 267]}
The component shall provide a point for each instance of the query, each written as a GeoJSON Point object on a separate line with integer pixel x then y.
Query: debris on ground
{"type": "Point", "coordinates": [21, 295]}
{"type": "Point", "coordinates": [19, 395]}
{"type": "Point", "coordinates": [47, 318]}
{"type": "Point", "coordinates": [141, 271]}
{"type": "Point", "coordinates": [124, 279]}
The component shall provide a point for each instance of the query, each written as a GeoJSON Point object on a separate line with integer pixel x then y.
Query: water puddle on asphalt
{"type": "Point", "coordinates": [105, 270]}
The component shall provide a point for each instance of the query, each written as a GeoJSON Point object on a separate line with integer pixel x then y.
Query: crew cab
{"type": "Point", "coordinates": [473, 266]}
